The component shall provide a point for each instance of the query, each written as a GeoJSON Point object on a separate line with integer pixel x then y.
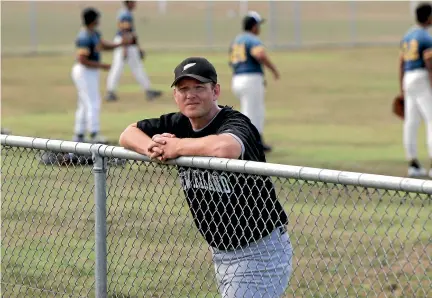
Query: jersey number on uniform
{"type": "Point", "coordinates": [410, 50]}
{"type": "Point", "coordinates": [238, 53]}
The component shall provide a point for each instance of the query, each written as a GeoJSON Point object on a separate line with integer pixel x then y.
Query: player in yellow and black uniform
{"type": "Point", "coordinates": [416, 86]}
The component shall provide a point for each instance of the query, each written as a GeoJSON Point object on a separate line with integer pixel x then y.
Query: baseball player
{"type": "Point", "coordinates": [416, 85]}
{"type": "Point", "coordinates": [131, 54]}
{"type": "Point", "coordinates": [238, 215]}
{"type": "Point", "coordinates": [246, 58]}
{"type": "Point", "coordinates": [85, 74]}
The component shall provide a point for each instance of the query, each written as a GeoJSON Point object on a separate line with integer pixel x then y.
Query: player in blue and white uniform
{"type": "Point", "coordinates": [85, 75]}
{"type": "Point", "coordinates": [416, 85]}
{"type": "Point", "coordinates": [131, 54]}
{"type": "Point", "coordinates": [247, 57]}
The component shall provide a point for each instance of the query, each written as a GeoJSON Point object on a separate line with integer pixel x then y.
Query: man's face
{"type": "Point", "coordinates": [257, 29]}
{"type": "Point", "coordinates": [95, 24]}
{"type": "Point", "coordinates": [195, 99]}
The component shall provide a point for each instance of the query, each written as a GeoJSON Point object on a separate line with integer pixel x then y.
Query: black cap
{"type": "Point", "coordinates": [197, 68]}
{"type": "Point", "coordinates": [251, 19]}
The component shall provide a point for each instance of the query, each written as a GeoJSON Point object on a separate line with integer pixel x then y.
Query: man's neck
{"type": "Point", "coordinates": [423, 26]}
{"type": "Point", "coordinates": [200, 123]}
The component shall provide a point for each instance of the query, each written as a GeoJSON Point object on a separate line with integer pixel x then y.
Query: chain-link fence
{"type": "Point", "coordinates": [36, 26]}
{"type": "Point", "coordinates": [113, 224]}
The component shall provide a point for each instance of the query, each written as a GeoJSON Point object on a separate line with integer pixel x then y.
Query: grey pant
{"type": "Point", "coordinates": [261, 269]}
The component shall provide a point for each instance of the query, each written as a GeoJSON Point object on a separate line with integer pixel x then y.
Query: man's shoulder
{"type": "Point", "coordinates": [247, 38]}
{"type": "Point", "coordinates": [229, 113]}
{"type": "Point", "coordinates": [82, 34]}
{"type": "Point", "coordinates": [425, 36]}
{"type": "Point", "coordinates": [253, 39]}
{"type": "Point", "coordinates": [174, 117]}
{"type": "Point", "coordinates": [83, 37]}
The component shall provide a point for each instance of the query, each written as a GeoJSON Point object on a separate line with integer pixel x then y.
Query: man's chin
{"type": "Point", "coordinates": [192, 113]}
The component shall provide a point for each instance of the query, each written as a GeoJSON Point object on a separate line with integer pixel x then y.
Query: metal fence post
{"type": "Point", "coordinates": [210, 33]}
{"type": "Point", "coordinates": [33, 28]}
{"type": "Point", "coordinates": [99, 170]}
{"type": "Point", "coordinates": [353, 22]}
{"type": "Point", "coordinates": [272, 24]}
{"type": "Point", "coordinates": [297, 23]}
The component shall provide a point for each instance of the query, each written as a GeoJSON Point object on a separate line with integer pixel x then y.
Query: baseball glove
{"type": "Point", "coordinates": [398, 106]}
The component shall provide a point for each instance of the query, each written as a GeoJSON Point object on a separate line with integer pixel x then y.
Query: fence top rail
{"type": "Point", "coordinates": [230, 165]}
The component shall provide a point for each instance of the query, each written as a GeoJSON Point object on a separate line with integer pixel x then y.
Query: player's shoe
{"type": "Point", "coordinates": [99, 139]}
{"type": "Point", "coordinates": [111, 96]}
{"type": "Point", "coordinates": [153, 94]}
{"type": "Point", "coordinates": [414, 172]}
{"type": "Point", "coordinates": [266, 147]}
{"type": "Point", "coordinates": [430, 173]}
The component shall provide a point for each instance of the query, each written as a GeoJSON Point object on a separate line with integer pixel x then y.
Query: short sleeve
{"type": "Point", "coordinates": [245, 133]}
{"type": "Point", "coordinates": [427, 47]}
{"type": "Point", "coordinates": [83, 45]}
{"type": "Point", "coordinates": [256, 46]}
{"type": "Point", "coordinates": [155, 126]}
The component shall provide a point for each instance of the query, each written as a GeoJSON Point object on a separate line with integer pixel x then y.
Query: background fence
{"type": "Point", "coordinates": [30, 26]}
{"type": "Point", "coordinates": [353, 234]}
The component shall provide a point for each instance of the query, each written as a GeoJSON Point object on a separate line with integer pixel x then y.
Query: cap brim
{"type": "Point", "coordinates": [196, 77]}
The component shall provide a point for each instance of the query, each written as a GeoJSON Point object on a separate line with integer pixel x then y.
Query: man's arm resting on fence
{"type": "Point", "coordinates": [223, 145]}
{"type": "Point", "coordinates": [135, 139]}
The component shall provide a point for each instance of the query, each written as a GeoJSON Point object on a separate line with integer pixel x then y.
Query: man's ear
{"type": "Point", "coordinates": [174, 95]}
{"type": "Point", "coordinates": [216, 91]}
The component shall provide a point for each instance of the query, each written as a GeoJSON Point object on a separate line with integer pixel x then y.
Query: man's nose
{"type": "Point", "coordinates": [190, 93]}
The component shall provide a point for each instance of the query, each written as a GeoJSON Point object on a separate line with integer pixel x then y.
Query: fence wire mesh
{"type": "Point", "coordinates": [47, 226]}
{"type": "Point", "coordinates": [347, 241]}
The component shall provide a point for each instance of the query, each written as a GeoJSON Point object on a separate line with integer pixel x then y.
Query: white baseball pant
{"type": "Point", "coordinates": [418, 105]}
{"type": "Point", "coordinates": [88, 110]}
{"type": "Point", "coordinates": [249, 89]}
{"type": "Point", "coordinates": [134, 61]}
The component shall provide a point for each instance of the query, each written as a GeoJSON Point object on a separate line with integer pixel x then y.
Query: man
{"type": "Point", "coordinates": [238, 215]}
{"type": "Point", "coordinates": [85, 74]}
{"type": "Point", "coordinates": [246, 58]}
{"type": "Point", "coordinates": [416, 85]}
{"type": "Point", "coordinates": [131, 54]}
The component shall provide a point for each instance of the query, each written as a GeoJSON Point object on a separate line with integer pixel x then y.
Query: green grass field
{"type": "Point", "coordinates": [330, 109]}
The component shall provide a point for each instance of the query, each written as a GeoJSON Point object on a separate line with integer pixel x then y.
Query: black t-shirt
{"type": "Point", "coordinates": [229, 209]}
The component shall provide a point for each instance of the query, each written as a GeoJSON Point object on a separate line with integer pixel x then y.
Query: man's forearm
{"type": "Point", "coordinates": [134, 139]}
{"type": "Point", "coordinates": [223, 146]}
{"type": "Point", "coordinates": [266, 61]}
{"type": "Point", "coordinates": [106, 45]}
